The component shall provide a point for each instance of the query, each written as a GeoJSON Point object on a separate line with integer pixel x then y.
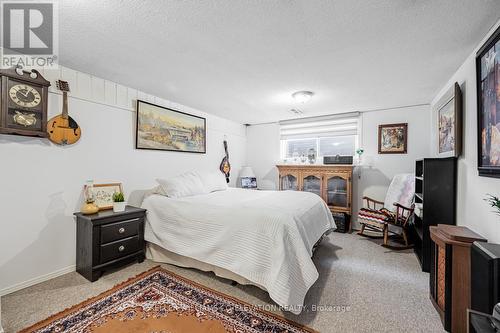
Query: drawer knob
{"type": "Point", "coordinates": [121, 230]}
{"type": "Point", "coordinates": [121, 248]}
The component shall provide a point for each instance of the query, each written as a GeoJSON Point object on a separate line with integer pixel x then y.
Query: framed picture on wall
{"type": "Point", "coordinates": [449, 123]}
{"type": "Point", "coordinates": [161, 128]}
{"type": "Point", "coordinates": [393, 138]}
{"type": "Point", "coordinates": [488, 107]}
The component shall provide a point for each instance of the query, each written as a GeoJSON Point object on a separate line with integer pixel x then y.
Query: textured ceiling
{"type": "Point", "coordinates": [243, 59]}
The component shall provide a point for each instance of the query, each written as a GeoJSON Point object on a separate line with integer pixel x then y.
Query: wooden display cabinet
{"type": "Point", "coordinates": [333, 183]}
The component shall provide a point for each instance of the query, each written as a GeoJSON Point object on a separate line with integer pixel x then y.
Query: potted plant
{"type": "Point", "coordinates": [494, 202]}
{"type": "Point", "coordinates": [119, 202]}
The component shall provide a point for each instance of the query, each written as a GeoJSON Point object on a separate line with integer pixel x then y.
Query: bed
{"type": "Point", "coordinates": [263, 238]}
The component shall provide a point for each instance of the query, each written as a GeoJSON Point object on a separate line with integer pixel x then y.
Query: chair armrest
{"type": "Point", "coordinates": [398, 205]}
{"type": "Point", "coordinates": [373, 200]}
{"type": "Point", "coordinates": [403, 212]}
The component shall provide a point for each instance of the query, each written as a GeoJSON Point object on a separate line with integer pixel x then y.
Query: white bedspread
{"type": "Point", "coordinates": [263, 236]}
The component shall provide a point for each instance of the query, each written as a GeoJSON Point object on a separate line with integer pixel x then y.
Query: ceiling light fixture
{"type": "Point", "coordinates": [302, 96]}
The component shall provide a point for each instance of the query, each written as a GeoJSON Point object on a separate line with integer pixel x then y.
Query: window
{"type": "Point", "coordinates": [299, 147]}
{"type": "Point", "coordinates": [332, 135]}
{"type": "Point", "coordinates": [337, 145]}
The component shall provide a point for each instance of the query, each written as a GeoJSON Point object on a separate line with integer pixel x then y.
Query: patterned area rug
{"type": "Point", "coordinates": [160, 301]}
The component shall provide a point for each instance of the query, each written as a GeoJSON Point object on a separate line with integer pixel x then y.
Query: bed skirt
{"type": "Point", "coordinates": [159, 254]}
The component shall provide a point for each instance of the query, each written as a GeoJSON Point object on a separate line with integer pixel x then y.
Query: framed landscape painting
{"type": "Point", "coordinates": [161, 128]}
{"type": "Point", "coordinates": [449, 123]}
{"type": "Point", "coordinates": [488, 106]}
{"type": "Point", "coordinates": [392, 138]}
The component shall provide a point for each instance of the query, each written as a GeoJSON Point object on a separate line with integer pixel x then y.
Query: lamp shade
{"type": "Point", "coordinates": [246, 172]}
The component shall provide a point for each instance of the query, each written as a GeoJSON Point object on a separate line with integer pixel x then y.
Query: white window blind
{"type": "Point", "coordinates": [316, 127]}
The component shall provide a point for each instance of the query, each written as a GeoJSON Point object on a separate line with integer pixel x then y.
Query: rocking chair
{"type": "Point", "coordinates": [395, 212]}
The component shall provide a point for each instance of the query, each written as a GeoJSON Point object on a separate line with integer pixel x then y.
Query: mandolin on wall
{"type": "Point", "coordinates": [62, 129]}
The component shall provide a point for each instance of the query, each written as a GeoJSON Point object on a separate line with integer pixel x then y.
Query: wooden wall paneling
{"type": "Point", "coordinates": [132, 97]}
{"type": "Point", "coordinates": [52, 75]}
{"type": "Point", "coordinates": [98, 89]}
{"type": "Point", "coordinates": [83, 87]}
{"type": "Point", "coordinates": [121, 96]}
{"type": "Point", "coordinates": [109, 92]}
{"type": "Point", "coordinates": [146, 97]}
{"type": "Point", "coordinates": [141, 95]}
{"type": "Point", "coordinates": [70, 75]}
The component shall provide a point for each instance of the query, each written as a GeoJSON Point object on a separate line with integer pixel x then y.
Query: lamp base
{"type": "Point", "coordinates": [89, 208]}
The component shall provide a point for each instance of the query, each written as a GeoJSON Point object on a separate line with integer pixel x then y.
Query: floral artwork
{"type": "Point", "coordinates": [103, 194]}
{"type": "Point", "coordinates": [392, 139]}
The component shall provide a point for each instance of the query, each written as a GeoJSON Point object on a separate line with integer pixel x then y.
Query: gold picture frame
{"type": "Point", "coordinates": [103, 194]}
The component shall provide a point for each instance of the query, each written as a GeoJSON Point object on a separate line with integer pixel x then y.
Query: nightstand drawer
{"type": "Point", "coordinates": [119, 249]}
{"type": "Point", "coordinates": [108, 239]}
{"type": "Point", "coordinates": [119, 230]}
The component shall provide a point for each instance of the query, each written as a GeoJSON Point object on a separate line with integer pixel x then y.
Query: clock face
{"type": "Point", "coordinates": [25, 95]}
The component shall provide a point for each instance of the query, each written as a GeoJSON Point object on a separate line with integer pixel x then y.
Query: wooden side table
{"type": "Point", "coordinates": [108, 240]}
{"type": "Point", "coordinates": [450, 273]}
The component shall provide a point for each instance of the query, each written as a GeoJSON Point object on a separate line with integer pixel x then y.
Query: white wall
{"type": "Point", "coordinates": [263, 151]}
{"type": "Point", "coordinates": [472, 210]}
{"type": "Point", "coordinates": [373, 180]}
{"type": "Point", "coordinates": [41, 183]}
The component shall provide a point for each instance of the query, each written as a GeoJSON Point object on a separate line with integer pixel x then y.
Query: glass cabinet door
{"type": "Point", "coordinates": [337, 191]}
{"type": "Point", "coordinates": [312, 183]}
{"type": "Point", "coordinates": [289, 182]}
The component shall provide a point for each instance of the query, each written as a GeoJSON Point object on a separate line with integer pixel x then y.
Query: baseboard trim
{"type": "Point", "coordinates": [36, 280]}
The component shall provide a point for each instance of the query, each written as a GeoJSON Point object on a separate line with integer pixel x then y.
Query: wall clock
{"type": "Point", "coordinates": [23, 107]}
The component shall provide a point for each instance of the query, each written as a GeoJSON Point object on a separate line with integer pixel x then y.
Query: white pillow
{"type": "Point", "coordinates": [213, 181]}
{"type": "Point", "coordinates": [184, 185]}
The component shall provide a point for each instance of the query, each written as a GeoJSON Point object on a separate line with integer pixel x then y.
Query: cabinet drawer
{"type": "Point", "coordinates": [119, 230]}
{"type": "Point", "coordinates": [119, 248]}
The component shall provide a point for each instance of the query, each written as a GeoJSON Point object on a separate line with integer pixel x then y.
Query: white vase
{"type": "Point", "coordinates": [119, 206]}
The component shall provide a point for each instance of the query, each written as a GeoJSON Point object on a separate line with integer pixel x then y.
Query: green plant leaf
{"type": "Point", "coordinates": [118, 197]}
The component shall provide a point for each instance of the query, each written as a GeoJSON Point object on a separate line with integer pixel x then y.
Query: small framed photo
{"type": "Point", "coordinates": [393, 138]}
{"type": "Point", "coordinates": [248, 182]}
{"type": "Point", "coordinates": [103, 194]}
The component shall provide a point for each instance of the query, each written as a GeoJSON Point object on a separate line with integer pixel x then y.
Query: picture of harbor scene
{"type": "Point", "coordinates": [165, 129]}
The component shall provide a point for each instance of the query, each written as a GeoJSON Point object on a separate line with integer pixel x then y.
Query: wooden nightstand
{"type": "Point", "coordinates": [108, 240]}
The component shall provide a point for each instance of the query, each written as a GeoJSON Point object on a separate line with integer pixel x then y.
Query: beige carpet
{"type": "Point", "coordinates": [363, 287]}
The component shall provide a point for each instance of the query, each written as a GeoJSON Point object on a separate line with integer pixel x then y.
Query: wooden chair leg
{"type": "Point", "coordinates": [362, 229]}
{"type": "Point", "coordinates": [386, 234]}
{"type": "Point", "coordinates": [405, 236]}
